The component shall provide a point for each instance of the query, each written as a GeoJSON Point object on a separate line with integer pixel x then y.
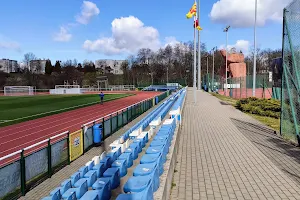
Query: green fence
{"type": "Point", "coordinates": [24, 169]}
{"type": "Point", "coordinates": [30, 166]}
{"type": "Point", "coordinates": [290, 93]}
{"type": "Point", "coordinates": [240, 87]}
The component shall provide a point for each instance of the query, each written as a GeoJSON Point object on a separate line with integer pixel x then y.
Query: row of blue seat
{"type": "Point", "coordinates": [178, 104]}
{"type": "Point", "coordinates": [145, 180]}
{"type": "Point", "coordinates": [146, 120]}
{"type": "Point", "coordinates": [96, 180]}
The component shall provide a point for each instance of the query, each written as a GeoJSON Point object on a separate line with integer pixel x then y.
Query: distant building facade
{"type": "Point", "coordinates": [110, 66]}
{"type": "Point", "coordinates": [38, 66]}
{"type": "Point", "coordinates": [8, 66]}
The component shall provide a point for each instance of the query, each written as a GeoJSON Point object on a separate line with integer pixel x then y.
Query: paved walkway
{"type": "Point", "coordinates": [225, 154]}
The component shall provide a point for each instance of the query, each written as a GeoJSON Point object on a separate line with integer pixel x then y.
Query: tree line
{"type": "Point", "coordinates": [167, 64]}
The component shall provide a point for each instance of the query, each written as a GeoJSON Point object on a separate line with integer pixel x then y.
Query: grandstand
{"type": "Point", "coordinates": [98, 177]}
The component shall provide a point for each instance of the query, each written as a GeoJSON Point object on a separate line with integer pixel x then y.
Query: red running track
{"type": "Point", "coordinates": [19, 136]}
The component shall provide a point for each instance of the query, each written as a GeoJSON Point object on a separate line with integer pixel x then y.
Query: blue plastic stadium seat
{"type": "Point", "coordinates": [138, 184]}
{"type": "Point", "coordinates": [106, 161]}
{"type": "Point", "coordinates": [65, 185]}
{"type": "Point", "coordinates": [146, 194]}
{"type": "Point", "coordinates": [90, 165]}
{"type": "Point", "coordinates": [134, 150]}
{"type": "Point", "coordinates": [113, 156]}
{"type": "Point", "coordinates": [114, 174]}
{"type": "Point", "coordinates": [157, 150]}
{"type": "Point", "coordinates": [104, 185]}
{"type": "Point", "coordinates": [81, 188]}
{"type": "Point", "coordinates": [54, 196]}
{"type": "Point", "coordinates": [122, 165]}
{"type": "Point", "coordinates": [141, 142]}
{"type": "Point", "coordinates": [99, 168]}
{"type": "Point", "coordinates": [83, 170]}
{"type": "Point", "coordinates": [151, 169]}
{"type": "Point", "coordinates": [152, 158]}
{"type": "Point", "coordinates": [90, 177]}
{"type": "Point", "coordinates": [144, 138]}
{"type": "Point", "coordinates": [74, 178]}
{"type": "Point", "coordinates": [136, 145]}
{"type": "Point", "coordinates": [117, 151]}
{"type": "Point", "coordinates": [91, 195]}
{"type": "Point", "coordinates": [128, 157]}
{"type": "Point", "coordinates": [158, 143]}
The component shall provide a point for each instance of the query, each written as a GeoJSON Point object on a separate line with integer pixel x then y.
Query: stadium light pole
{"type": "Point", "coordinates": [254, 61]}
{"type": "Point", "coordinates": [226, 30]}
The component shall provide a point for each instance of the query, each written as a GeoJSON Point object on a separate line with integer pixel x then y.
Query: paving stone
{"type": "Point", "coordinates": [231, 154]}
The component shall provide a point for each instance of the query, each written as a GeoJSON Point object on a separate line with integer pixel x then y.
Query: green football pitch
{"type": "Point", "coordinates": [23, 108]}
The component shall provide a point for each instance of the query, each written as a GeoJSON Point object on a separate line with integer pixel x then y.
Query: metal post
{"type": "Point", "coordinates": [49, 159]}
{"type": "Point", "coordinates": [103, 133]}
{"type": "Point", "coordinates": [226, 30]}
{"type": "Point", "coordinates": [199, 49]}
{"type": "Point", "coordinates": [127, 116]}
{"type": "Point", "coordinates": [23, 175]}
{"type": "Point", "coordinates": [117, 120]}
{"type": "Point", "coordinates": [213, 71]}
{"type": "Point", "coordinates": [68, 141]}
{"type": "Point", "coordinates": [110, 119]}
{"type": "Point", "coordinates": [226, 63]}
{"type": "Point", "coordinates": [254, 62]}
{"type": "Point", "coordinates": [195, 63]}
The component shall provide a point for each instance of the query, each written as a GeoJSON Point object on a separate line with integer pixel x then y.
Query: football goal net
{"type": "Point", "coordinates": [66, 89]}
{"type": "Point", "coordinates": [18, 90]}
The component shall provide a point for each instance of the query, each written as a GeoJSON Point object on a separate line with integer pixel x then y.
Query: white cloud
{"type": "Point", "coordinates": [88, 11]}
{"type": "Point", "coordinates": [63, 35]}
{"type": "Point", "coordinates": [240, 45]}
{"type": "Point", "coordinates": [128, 35]}
{"type": "Point", "coordinates": [171, 41]}
{"type": "Point", "coordinates": [7, 44]}
{"type": "Point", "coordinates": [240, 13]}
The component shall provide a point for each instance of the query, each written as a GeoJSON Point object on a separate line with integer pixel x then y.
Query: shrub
{"type": "Point", "coordinates": [262, 107]}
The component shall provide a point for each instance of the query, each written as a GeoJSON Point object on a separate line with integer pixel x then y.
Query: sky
{"type": "Point", "coordinates": [105, 29]}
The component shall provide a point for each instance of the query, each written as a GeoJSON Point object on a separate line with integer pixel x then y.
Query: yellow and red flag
{"type": "Point", "coordinates": [192, 12]}
{"type": "Point", "coordinates": [196, 25]}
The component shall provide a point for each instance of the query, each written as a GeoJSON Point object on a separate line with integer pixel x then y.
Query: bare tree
{"type": "Point", "coordinates": [29, 57]}
{"type": "Point", "coordinates": [168, 56]}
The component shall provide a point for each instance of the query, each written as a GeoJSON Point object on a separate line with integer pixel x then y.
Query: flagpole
{"type": "Point", "coordinates": [195, 57]}
{"type": "Point", "coordinates": [199, 49]}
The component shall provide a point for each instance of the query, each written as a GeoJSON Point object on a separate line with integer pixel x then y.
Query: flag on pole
{"type": "Point", "coordinates": [192, 12]}
{"type": "Point", "coordinates": [196, 25]}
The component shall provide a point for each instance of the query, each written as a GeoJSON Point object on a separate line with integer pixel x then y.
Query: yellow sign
{"type": "Point", "coordinates": [76, 145]}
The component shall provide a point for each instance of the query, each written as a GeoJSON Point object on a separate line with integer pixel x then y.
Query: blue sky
{"type": "Point", "coordinates": [86, 27]}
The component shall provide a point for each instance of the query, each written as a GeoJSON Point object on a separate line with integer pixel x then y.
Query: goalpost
{"type": "Point", "coordinates": [66, 89]}
{"type": "Point", "coordinates": [18, 90]}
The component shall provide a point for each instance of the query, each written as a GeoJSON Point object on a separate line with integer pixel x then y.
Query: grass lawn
{"type": "Point", "coordinates": [226, 99]}
{"type": "Point", "coordinates": [18, 109]}
{"type": "Point", "coordinates": [269, 121]}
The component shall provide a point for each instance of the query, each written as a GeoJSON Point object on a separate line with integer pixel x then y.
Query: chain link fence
{"type": "Point", "coordinates": [290, 93]}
